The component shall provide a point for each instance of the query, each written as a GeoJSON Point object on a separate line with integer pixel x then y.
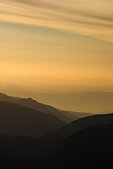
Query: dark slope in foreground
{"type": "Point", "coordinates": [83, 123]}
{"type": "Point", "coordinates": [19, 152]}
{"type": "Point", "coordinates": [90, 147]}
{"type": "Point", "coordinates": [47, 143]}
{"type": "Point", "coordinates": [19, 120]}
{"type": "Point", "coordinates": [65, 116]}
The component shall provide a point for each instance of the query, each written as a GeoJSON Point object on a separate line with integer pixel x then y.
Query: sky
{"type": "Point", "coordinates": [49, 45]}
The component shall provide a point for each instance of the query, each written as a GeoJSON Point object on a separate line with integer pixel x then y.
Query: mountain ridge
{"type": "Point", "coordinates": [18, 120]}
{"type": "Point", "coordinates": [65, 116]}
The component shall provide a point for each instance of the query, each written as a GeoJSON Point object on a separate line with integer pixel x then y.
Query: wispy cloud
{"type": "Point", "coordinates": [91, 18]}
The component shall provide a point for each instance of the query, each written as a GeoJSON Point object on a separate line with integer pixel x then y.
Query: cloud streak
{"type": "Point", "coordinates": [90, 18]}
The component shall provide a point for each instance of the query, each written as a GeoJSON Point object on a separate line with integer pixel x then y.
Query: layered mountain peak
{"type": "Point", "coordinates": [64, 116]}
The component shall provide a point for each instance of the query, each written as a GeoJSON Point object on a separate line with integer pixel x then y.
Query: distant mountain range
{"type": "Point", "coordinates": [27, 117]}
{"type": "Point", "coordinates": [19, 120]}
{"type": "Point", "coordinates": [65, 116]}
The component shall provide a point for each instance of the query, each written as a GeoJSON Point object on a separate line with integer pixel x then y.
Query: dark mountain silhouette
{"type": "Point", "coordinates": [54, 139]}
{"type": "Point", "coordinates": [90, 147]}
{"type": "Point", "coordinates": [85, 122]}
{"type": "Point", "coordinates": [19, 120]}
{"type": "Point", "coordinates": [65, 116]}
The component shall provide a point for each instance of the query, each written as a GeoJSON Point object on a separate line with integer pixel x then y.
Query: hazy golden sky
{"type": "Point", "coordinates": [58, 45]}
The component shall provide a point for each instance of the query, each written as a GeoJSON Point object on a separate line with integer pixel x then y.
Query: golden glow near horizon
{"type": "Point", "coordinates": [57, 45]}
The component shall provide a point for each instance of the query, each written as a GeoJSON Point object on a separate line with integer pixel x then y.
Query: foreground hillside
{"type": "Point", "coordinates": [54, 139]}
{"type": "Point", "coordinates": [89, 147]}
